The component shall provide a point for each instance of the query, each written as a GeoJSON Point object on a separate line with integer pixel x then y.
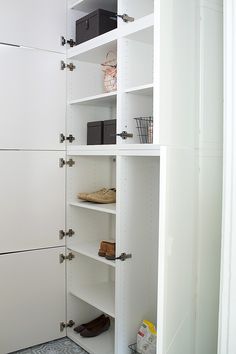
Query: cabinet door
{"type": "Point", "coordinates": [177, 252]}
{"type": "Point", "coordinates": [137, 234]}
{"type": "Point", "coordinates": [37, 24]}
{"type": "Point", "coordinates": [32, 99]}
{"type": "Point", "coordinates": [32, 298]}
{"type": "Point", "coordinates": [32, 190]}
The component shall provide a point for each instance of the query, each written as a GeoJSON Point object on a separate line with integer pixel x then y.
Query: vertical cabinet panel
{"type": "Point", "coordinates": [32, 99]}
{"type": "Point", "coordinates": [177, 252]}
{"type": "Point", "coordinates": [32, 298]}
{"type": "Point", "coordinates": [32, 209]}
{"type": "Point", "coordinates": [37, 24]}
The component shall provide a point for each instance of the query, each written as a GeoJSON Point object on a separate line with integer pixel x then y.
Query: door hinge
{"type": "Point", "coordinates": [124, 135]}
{"type": "Point", "coordinates": [69, 138]}
{"type": "Point", "coordinates": [64, 41]}
{"type": "Point", "coordinates": [63, 258]}
{"type": "Point", "coordinates": [124, 256]}
{"type": "Point", "coordinates": [126, 18]}
{"type": "Point", "coordinates": [69, 66]}
{"type": "Point", "coordinates": [63, 234]}
{"type": "Point", "coordinates": [63, 162]}
{"type": "Point", "coordinates": [64, 325]}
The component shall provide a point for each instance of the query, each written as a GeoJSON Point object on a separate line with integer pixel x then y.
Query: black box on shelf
{"type": "Point", "coordinates": [95, 133]}
{"type": "Point", "coordinates": [95, 24]}
{"type": "Point", "coordinates": [109, 131]}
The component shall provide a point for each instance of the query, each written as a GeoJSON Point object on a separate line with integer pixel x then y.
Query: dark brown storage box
{"type": "Point", "coordinates": [94, 24]}
{"type": "Point", "coordinates": [94, 133]}
{"type": "Point", "coordinates": [109, 131]}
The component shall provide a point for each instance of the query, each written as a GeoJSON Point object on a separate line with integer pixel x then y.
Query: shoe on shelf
{"type": "Point", "coordinates": [90, 324]}
{"type": "Point", "coordinates": [103, 326]}
{"type": "Point", "coordinates": [107, 248]}
{"type": "Point", "coordinates": [103, 196]}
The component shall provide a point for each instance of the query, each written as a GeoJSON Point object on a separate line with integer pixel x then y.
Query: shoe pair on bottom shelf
{"type": "Point", "coordinates": [108, 250]}
{"type": "Point", "coordinates": [94, 327]}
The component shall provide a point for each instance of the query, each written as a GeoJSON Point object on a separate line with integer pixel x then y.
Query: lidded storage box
{"type": "Point", "coordinates": [95, 24]}
{"type": "Point", "coordinates": [109, 131]}
{"type": "Point", "coordinates": [95, 133]}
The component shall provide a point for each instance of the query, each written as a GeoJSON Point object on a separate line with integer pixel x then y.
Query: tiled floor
{"type": "Point", "coordinates": [60, 346]}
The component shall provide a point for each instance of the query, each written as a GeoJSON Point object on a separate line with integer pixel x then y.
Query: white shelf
{"type": "Point", "coordinates": [112, 150]}
{"type": "Point", "coordinates": [95, 50]}
{"type": "Point", "coordinates": [104, 208]}
{"type": "Point", "coordinates": [103, 99]}
{"type": "Point", "coordinates": [144, 90]}
{"type": "Point", "coordinates": [102, 344]}
{"type": "Point", "coordinates": [90, 249]}
{"type": "Point", "coordinates": [140, 30]}
{"type": "Point", "coordinates": [92, 5]}
{"type": "Point", "coordinates": [99, 295]}
{"type": "Point", "coordinates": [92, 150]}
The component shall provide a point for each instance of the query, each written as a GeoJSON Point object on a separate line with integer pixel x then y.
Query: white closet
{"type": "Point", "coordinates": [167, 213]}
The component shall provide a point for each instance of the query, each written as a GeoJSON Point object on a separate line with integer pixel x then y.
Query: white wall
{"type": "Point", "coordinates": [227, 319]}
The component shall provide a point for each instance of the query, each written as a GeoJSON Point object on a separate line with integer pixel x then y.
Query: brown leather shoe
{"type": "Point", "coordinates": [90, 324]}
{"type": "Point", "coordinates": [103, 326]}
{"type": "Point", "coordinates": [106, 247]}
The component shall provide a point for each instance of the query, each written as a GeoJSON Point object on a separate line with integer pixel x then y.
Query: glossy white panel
{"type": "Point", "coordinates": [32, 208]}
{"type": "Point", "coordinates": [32, 99]}
{"type": "Point", "coordinates": [177, 252]}
{"type": "Point", "coordinates": [32, 298]}
{"type": "Point", "coordinates": [36, 24]}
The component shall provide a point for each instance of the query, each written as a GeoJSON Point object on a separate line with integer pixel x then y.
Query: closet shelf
{"type": "Point", "coordinates": [113, 150]}
{"type": "Point", "coordinates": [99, 295]}
{"type": "Point", "coordinates": [92, 5]}
{"type": "Point", "coordinates": [90, 249]}
{"type": "Point", "coordinates": [140, 30]}
{"type": "Point", "coordinates": [104, 208]}
{"type": "Point", "coordinates": [104, 99]}
{"type": "Point", "coordinates": [144, 90]}
{"type": "Point", "coordinates": [102, 344]}
{"type": "Point", "coordinates": [95, 50]}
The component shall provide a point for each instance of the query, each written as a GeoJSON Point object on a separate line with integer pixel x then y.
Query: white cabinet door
{"type": "Point", "coordinates": [32, 208]}
{"type": "Point", "coordinates": [32, 99]}
{"type": "Point", "coordinates": [177, 252]}
{"type": "Point", "coordinates": [32, 298]}
{"type": "Point", "coordinates": [33, 23]}
{"type": "Point", "coordinates": [137, 234]}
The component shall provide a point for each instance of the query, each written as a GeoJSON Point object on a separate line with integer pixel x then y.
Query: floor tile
{"type": "Point", "coordinates": [60, 346]}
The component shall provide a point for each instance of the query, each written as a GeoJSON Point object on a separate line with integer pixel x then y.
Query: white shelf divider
{"type": "Point", "coordinates": [99, 295]}
{"type": "Point", "coordinates": [102, 344]}
{"type": "Point", "coordinates": [103, 99]}
{"type": "Point", "coordinates": [104, 208]}
{"type": "Point", "coordinates": [90, 249]}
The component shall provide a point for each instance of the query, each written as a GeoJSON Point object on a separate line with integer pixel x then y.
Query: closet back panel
{"type": "Point", "coordinates": [37, 24]}
{"type": "Point", "coordinates": [32, 189]}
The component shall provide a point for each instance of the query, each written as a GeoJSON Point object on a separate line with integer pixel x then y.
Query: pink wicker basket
{"type": "Point", "coordinates": [109, 67]}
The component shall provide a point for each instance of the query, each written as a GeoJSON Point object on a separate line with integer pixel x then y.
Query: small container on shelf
{"type": "Point", "coordinates": [94, 24]}
{"type": "Point", "coordinates": [145, 129]}
{"type": "Point", "coordinates": [109, 131]}
{"type": "Point", "coordinates": [95, 133]}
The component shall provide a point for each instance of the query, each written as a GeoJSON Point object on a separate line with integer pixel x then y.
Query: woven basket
{"type": "Point", "coordinates": [109, 67]}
